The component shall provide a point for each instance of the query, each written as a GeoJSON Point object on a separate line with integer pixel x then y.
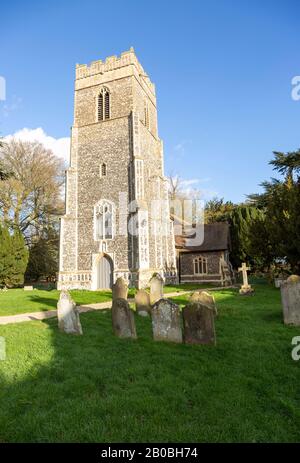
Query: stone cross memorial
{"type": "Point", "coordinates": [142, 303]}
{"type": "Point", "coordinates": [166, 321]}
{"type": "Point", "coordinates": [198, 319]}
{"type": "Point", "coordinates": [123, 319]}
{"type": "Point", "coordinates": [290, 298]}
{"type": "Point", "coordinates": [68, 314]}
{"type": "Point", "coordinates": [156, 288]}
{"type": "Point", "coordinates": [246, 289]}
{"type": "Point", "coordinates": [120, 289]}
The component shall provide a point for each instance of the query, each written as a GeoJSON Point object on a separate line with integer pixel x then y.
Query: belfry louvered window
{"type": "Point", "coordinates": [103, 104]}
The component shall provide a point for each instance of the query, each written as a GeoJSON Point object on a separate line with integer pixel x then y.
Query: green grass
{"type": "Point", "coordinates": [17, 301]}
{"type": "Point", "coordinates": [98, 388]}
{"type": "Point", "coordinates": [187, 287]}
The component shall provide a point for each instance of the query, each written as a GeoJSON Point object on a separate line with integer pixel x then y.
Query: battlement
{"type": "Point", "coordinates": [112, 63]}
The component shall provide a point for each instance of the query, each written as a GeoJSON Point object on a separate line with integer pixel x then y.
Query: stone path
{"type": "Point", "coordinates": [26, 317]}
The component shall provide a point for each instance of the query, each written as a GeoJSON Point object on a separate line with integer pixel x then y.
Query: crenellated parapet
{"type": "Point", "coordinates": [113, 63]}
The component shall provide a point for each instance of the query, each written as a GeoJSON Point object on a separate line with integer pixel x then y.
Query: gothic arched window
{"type": "Point", "coordinates": [103, 104]}
{"type": "Point", "coordinates": [200, 265]}
{"type": "Point", "coordinates": [104, 220]}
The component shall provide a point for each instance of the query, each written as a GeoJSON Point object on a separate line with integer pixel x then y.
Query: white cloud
{"type": "Point", "coordinates": [59, 146]}
{"type": "Point", "coordinates": [192, 181]}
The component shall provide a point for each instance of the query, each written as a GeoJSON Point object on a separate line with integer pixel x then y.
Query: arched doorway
{"type": "Point", "coordinates": [104, 273]}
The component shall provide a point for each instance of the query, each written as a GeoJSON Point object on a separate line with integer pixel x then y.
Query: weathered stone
{"type": "Point", "coordinates": [156, 288]}
{"type": "Point", "coordinates": [68, 315]}
{"type": "Point", "coordinates": [142, 303]}
{"type": "Point", "coordinates": [198, 323]}
{"type": "Point", "coordinates": [226, 272]}
{"type": "Point", "coordinates": [166, 321]}
{"type": "Point", "coordinates": [120, 289]}
{"type": "Point", "coordinates": [290, 298]}
{"type": "Point", "coordinates": [28, 288]}
{"type": "Point", "coordinates": [126, 142]}
{"type": "Point", "coordinates": [205, 298]}
{"type": "Point", "coordinates": [246, 289]}
{"type": "Point", "coordinates": [123, 319]}
{"type": "Point", "coordinates": [293, 278]}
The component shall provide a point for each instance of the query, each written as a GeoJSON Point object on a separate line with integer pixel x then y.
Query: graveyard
{"type": "Point", "coordinates": [101, 388]}
{"type": "Point", "coordinates": [149, 227]}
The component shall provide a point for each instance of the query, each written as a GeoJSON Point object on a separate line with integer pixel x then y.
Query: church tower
{"type": "Point", "coordinates": [117, 219]}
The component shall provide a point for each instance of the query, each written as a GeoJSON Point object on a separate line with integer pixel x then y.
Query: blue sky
{"type": "Point", "coordinates": [222, 71]}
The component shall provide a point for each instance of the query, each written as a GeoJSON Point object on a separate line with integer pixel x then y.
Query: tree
{"type": "Point", "coordinates": [286, 163]}
{"type": "Point", "coordinates": [3, 174]}
{"type": "Point", "coordinates": [20, 259]}
{"type": "Point", "coordinates": [32, 196]}
{"type": "Point", "coordinates": [242, 231]}
{"type": "Point", "coordinates": [216, 210]}
{"type": "Point", "coordinates": [6, 257]}
{"type": "Point", "coordinates": [47, 246]}
{"type": "Point", "coordinates": [13, 257]}
{"type": "Point", "coordinates": [184, 201]}
{"type": "Point", "coordinates": [31, 201]}
{"type": "Point", "coordinates": [280, 203]}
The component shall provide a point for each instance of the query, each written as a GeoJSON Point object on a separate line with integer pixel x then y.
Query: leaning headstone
{"type": "Point", "coordinates": [156, 288]}
{"type": "Point", "coordinates": [28, 288]}
{"type": "Point", "coordinates": [120, 289]}
{"type": "Point", "coordinates": [205, 298]}
{"type": "Point", "coordinates": [199, 324]}
{"type": "Point", "coordinates": [142, 303]}
{"type": "Point", "coordinates": [166, 321]}
{"type": "Point", "coordinates": [123, 319]}
{"type": "Point", "coordinates": [290, 298]}
{"type": "Point", "coordinates": [68, 314]}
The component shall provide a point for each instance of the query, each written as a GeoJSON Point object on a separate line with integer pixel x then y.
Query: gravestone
{"type": "Point", "coordinates": [28, 288]}
{"type": "Point", "coordinates": [246, 289]}
{"type": "Point", "coordinates": [198, 323]}
{"type": "Point", "coordinates": [68, 314]}
{"type": "Point", "coordinates": [290, 298]}
{"type": "Point", "coordinates": [142, 303]}
{"type": "Point", "coordinates": [123, 319]}
{"type": "Point", "coordinates": [203, 297]}
{"type": "Point", "coordinates": [120, 289]}
{"type": "Point", "coordinates": [166, 321]}
{"type": "Point", "coordinates": [156, 288]}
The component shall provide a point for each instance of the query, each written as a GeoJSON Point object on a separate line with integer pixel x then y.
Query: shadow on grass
{"type": "Point", "coordinates": [98, 388]}
{"type": "Point", "coordinates": [44, 301]}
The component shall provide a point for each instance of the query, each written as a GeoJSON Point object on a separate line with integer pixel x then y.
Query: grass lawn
{"type": "Point", "coordinates": [17, 301]}
{"type": "Point", "coordinates": [187, 287]}
{"type": "Point", "coordinates": [98, 388]}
